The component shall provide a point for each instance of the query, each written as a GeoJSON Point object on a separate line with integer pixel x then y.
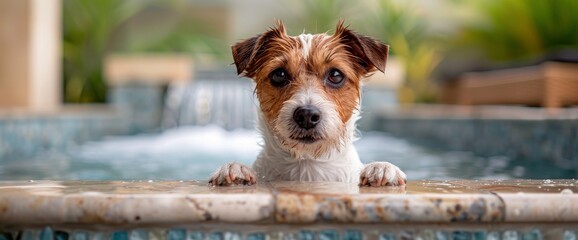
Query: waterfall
{"type": "Point", "coordinates": [214, 98]}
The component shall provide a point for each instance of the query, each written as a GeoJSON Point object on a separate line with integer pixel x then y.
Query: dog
{"type": "Point", "coordinates": [309, 89]}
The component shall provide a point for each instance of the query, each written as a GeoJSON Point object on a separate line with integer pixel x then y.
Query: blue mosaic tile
{"type": "Point", "coordinates": [216, 236]}
{"type": "Point", "coordinates": [232, 236]}
{"type": "Point", "coordinates": [120, 235]}
{"type": "Point", "coordinates": [195, 235]}
{"type": "Point", "coordinates": [353, 235]}
{"type": "Point", "coordinates": [256, 236]}
{"type": "Point", "coordinates": [493, 236]}
{"type": "Point", "coordinates": [61, 235]}
{"type": "Point", "coordinates": [510, 235]}
{"type": "Point", "coordinates": [46, 234]}
{"type": "Point", "coordinates": [176, 234]}
{"type": "Point", "coordinates": [225, 236]}
{"type": "Point", "coordinates": [80, 236]}
{"type": "Point", "coordinates": [306, 235]}
{"type": "Point", "coordinates": [461, 235]}
{"type": "Point", "coordinates": [534, 234]}
{"type": "Point", "coordinates": [387, 236]}
{"type": "Point", "coordinates": [480, 235]}
{"type": "Point", "coordinates": [569, 235]}
{"type": "Point", "coordinates": [139, 234]}
{"type": "Point", "coordinates": [442, 235]}
{"type": "Point", "coordinates": [328, 235]}
{"type": "Point", "coordinates": [29, 234]}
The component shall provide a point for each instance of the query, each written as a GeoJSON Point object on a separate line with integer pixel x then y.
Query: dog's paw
{"type": "Point", "coordinates": [378, 174]}
{"type": "Point", "coordinates": [233, 174]}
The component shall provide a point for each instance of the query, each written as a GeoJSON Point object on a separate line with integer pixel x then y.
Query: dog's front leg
{"type": "Point", "coordinates": [233, 174]}
{"type": "Point", "coordinates": [378, 174]}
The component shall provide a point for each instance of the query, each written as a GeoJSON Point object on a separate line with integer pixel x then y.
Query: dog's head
{"type": "Point", "coordinates": [309, 86]}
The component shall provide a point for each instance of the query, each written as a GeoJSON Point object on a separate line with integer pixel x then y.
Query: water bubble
{"type": "Point", "coordinates": [566, 191]}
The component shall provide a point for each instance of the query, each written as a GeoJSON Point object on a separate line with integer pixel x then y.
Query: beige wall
{"type": "Point", "coordinates": [30, 54]}
{"type": "Point", "coordinates": [14, 53]}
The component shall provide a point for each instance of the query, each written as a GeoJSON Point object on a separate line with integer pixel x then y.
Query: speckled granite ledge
{"type": "Point", "coordinates": [37, 203]}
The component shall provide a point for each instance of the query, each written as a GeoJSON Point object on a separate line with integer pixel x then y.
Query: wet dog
{"type": "Point", "coordinates": [309, 89]}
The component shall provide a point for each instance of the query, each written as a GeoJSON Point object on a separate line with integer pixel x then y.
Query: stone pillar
{"type": "Point", "coordinates": [30, 36]}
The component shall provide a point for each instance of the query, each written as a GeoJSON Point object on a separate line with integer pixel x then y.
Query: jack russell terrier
{"type": "Point", "coordinates": [309, 89]}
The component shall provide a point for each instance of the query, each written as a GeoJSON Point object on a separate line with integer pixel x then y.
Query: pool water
{"type": "Point", "coordinates": [195, 152]}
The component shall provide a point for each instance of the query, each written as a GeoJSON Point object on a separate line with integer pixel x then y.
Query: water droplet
{"type": "Point", "coordinates": [566, 191]}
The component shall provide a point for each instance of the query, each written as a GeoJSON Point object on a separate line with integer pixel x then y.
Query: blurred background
{"type": "Point", "coordinates": [469, 85]}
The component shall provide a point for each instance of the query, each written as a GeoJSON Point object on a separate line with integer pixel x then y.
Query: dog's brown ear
{"type": "Point", "coordinates": [245, 52]}
{"type": "Point", "coordinates": [371, 53]}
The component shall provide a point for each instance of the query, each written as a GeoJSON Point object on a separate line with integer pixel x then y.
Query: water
{"type": "Point", "coordinates": [229, 103]}
{"type": "Point", "coordinates": [195, 152]}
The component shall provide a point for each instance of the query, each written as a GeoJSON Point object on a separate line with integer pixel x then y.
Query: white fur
{"type": "Point", "coordinates": [306, 42]}
{"type": "Point", "coordinates": [275, 162]}
{"type": "Point", "coordinates": [283, 158]}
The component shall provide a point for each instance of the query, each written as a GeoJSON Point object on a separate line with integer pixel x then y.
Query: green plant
{"type": "Point", "coordinates": [87, 29]}
{"type": "Point", "coordinates": [514, 30]}
{"type": "Point", "coordinates": [93, 29]}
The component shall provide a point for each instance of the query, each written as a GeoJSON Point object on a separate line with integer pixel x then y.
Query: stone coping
{"type": "Point", "coordinates": [34, 203]}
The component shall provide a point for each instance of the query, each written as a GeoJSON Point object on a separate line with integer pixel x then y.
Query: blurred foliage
{"type": "Point", "coordinates": [402, 26]}
{"type": "Point", "coordinates": [93, 29]}
{"type": "Point", "coordinates": [498, 30]}
{"type": "Point", "coordinates": [320, 15]}
{"type": "Point", "coordinates": [87, 27]}
{"type": "Point", "coordinates": [514, 30]}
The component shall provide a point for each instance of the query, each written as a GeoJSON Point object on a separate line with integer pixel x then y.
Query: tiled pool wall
{"type": "Point", "coordinates": [537, 140]}
{"type": "Point", "coordinates": [348, 232]}
{"type": "Point", "coordinates": [132, 109]}
{"type": "Point", "coordinates": [28, 135]}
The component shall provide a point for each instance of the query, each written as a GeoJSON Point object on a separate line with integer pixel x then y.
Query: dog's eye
{"type": "Point", "coordinates": [279, 77]}
{"type": "Point", "coordinates": [335, 78]}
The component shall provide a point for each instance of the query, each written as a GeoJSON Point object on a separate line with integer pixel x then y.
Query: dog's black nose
{"type": "Point", "coordinates": [307, 117]}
